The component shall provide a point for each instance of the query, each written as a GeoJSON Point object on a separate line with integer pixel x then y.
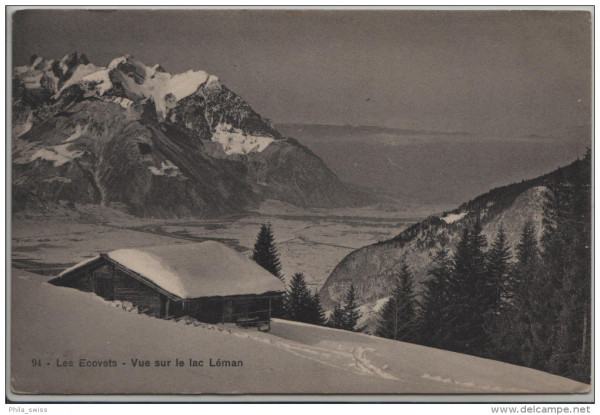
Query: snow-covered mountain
{"type": "Point", "coordinates": [372, 269]}
{"type": "Point", "coordinates": [136, 137]}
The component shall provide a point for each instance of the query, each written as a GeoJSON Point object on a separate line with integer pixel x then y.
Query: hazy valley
{"type": "Point", "coordinates": [445, 168]}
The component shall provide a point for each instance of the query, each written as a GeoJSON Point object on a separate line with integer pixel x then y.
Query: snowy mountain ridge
{"type": "Point", "coordinates": [151, 143]}
{"type": "Point", "coordinates": [148, 82]}
{"type": "Point", "coordinates": [140, 82]}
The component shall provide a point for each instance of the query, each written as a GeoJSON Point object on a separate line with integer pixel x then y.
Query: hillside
{"type": "Point", "coordinates": [57, 325]}
{"type": "Point", "coordinates": [151, 143]}
{"type": "Point", "coordinates": [372, 268]}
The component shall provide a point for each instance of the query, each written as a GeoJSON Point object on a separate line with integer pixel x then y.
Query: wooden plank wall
{"type": "Point", "coordinates": [130, 289]}
{"type": "Point", "coordinates": [85, 282]}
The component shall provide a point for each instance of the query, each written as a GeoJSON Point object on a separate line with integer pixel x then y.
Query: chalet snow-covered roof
{"type": "Point", "coordinates": [205, 269]}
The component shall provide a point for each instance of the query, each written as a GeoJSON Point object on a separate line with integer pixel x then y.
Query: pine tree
{"type": "Point", "coordinates": [459, 331]}
{"type": "Point", "coordinates": [337, 318]}
{"type": "Point", "coordinates": [434, 315]}
{"type": "Point", "coordinates": [498, 273]}
{"type": "Point", "coordinates": [298, 302]}
{"type": "Point", "coordinates": [501, 291]}
{"type": "Point", "coordinates": [300, 305]}
{"type": "Point", "coordinates": [317, 314]}
{"type": "Point", "coordinates": [527, 249]}
{"type": "Point", "coordinates": [483, 290]}
{"type": "Point", "coordinates": [532, 313]}
{"type": "Point", "coordinates": [265, 253]}
{"type": "Point", "coordinates": [351, 313]}
{"type": "Point", "coordinates": [468, 294]}
{"type": "Point", "coordinates": [397, 317]}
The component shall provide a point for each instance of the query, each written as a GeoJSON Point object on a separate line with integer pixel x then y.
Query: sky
{"type": "Point", "coordinates": [490, 72]}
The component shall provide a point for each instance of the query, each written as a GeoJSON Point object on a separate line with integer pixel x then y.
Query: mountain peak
{"type": "Point", "coordinates": [152, 142]}
{"type": "Point", "coordinates": [127, 80]}
{"type": "Point", "coordinates": [72, 60]}
{"type": "Point", "coordinates": [124, 76]}
{"type": "Point", "coordinates": [116, 61]}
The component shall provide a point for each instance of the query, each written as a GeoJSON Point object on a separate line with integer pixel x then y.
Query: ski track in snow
{"type": "Point", "coordinates": [354, 360]}
{"type": "Point", "coordinates": [473, 385]}
{"type": "Point", "coordinates": [351, 359]}
{"type": "Point", "coordinates": [364, 364]}
{"type": "Point", "coordinates": [347, 357]}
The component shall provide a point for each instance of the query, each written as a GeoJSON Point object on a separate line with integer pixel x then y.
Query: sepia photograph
{"type": "Point", "coordinates": [299, 204]}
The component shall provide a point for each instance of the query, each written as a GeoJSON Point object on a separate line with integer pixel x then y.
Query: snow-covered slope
{"type": "Point", "coordinates": [159, 144]}
{"type": "Point", "coordinates": [57, 324]}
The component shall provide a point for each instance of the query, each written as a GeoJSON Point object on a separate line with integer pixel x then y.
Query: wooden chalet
{"type": "Point", "coordinates": [207, 281]}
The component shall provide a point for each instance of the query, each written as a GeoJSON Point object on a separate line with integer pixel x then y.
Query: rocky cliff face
{"type": "Point", "coordinates": [137, 138]}
{"type": "Point", "coordinates": [372, 269]}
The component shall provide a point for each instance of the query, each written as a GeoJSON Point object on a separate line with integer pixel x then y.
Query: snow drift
{"type": "Point", "coordinates": [56, 324]}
